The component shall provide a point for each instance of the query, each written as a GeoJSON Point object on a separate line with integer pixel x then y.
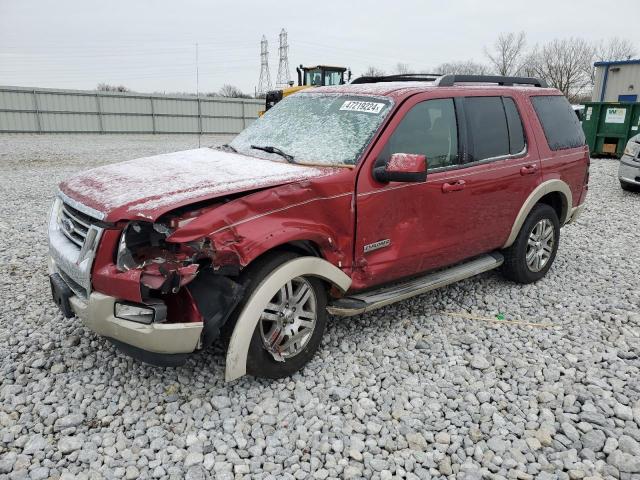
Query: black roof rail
{"type": "Point", "coordinates": [401, 77]}
{"type": "Point", "coordinates": [450, 80]}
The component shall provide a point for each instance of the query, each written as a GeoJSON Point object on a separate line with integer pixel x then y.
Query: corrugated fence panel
{"type": "Point", "coordinates": [127, 123]}
{"type": "Point", "coordinates": [66, 103]}
{"type": "Point", "coordinates": [177, 124]}
{"type": "Point", "coordinates": [252, 108]}
{"type": "Point", "coordinates": [17, 100]}
{"type": "Point", "coordinates": [18, 122]}
{"type": "Point", "coordinates": [60, 122]}
{"type": "Point", "coordinates": [175, 107]}
{"type": "Point", "coordinates": [113, 104]}
{"type": "Point", "coordinates": [222, 125]}
{"type": "Point", "coordinates": [222, 109]}
{"type": "Point", "coordinates": [51, 110]}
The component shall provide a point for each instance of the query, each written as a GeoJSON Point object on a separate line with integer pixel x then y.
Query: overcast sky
{"type": "Point", "coordinates": [150, 45]}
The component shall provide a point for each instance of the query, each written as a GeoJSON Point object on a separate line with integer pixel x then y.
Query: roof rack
{"type": "Point", "coordinates": [450, 80]}
{"type": "Point", "coordinates": [401, 77]}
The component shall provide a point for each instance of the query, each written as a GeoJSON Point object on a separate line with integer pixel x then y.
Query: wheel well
{"type": "Point", "coordinates": [558, 202]}
{"type": "Point", "coordinates": [300, 247]}
{"type": "Point", "coordinates": [304, 247]}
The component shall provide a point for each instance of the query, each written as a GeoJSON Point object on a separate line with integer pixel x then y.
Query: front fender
{"type": "Point", "coordinates": [236, 363]}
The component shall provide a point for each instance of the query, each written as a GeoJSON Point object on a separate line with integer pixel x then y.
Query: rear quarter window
{"type": "Point", "coordinates": [560, 124]}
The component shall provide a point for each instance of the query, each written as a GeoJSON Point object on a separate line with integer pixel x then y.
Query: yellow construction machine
{"type": "Point", "coordinates": [308, 77]}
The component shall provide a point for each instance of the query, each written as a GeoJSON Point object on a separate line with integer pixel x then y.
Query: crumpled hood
{"type": "Point", "coordinates": [148, 187]}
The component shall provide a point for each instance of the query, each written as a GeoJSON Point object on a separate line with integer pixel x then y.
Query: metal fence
{"type": "Point", "coordinates": [44, 110]}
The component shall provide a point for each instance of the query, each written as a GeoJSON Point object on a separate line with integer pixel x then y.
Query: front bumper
{"type": "Point", "coordinates": [162, 344]}
{"type": "Point", "coordinates": [629, 170]}
{"type": "Point", "coordinates": [164, 338]}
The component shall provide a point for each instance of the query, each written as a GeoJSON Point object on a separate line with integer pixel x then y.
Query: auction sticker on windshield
{"type": "Point", "coordinates": [358, 106]}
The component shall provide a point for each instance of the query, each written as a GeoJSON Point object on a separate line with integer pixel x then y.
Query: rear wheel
{"type": "Point", "coordinates": [629, 187]}
{"type": "Point", "coordinates": [534, 250]}
{"type": "Point", "coordinates": [292, 323]}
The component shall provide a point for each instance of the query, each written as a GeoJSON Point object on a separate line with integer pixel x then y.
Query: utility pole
{"type": "Point", "coordinates": [198, 96]}
{"type": "Point", "coordinates": [264, 84]}
{"type": "Point", "coordinates": [283, 64]}
{"type": "Point", "coordinates": [197, 73]}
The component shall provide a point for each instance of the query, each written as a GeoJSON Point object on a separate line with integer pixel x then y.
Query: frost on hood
{"type": "Point", "coordinates": [153, 182]}
{"type": "Point", "coordinates": [316, 128]}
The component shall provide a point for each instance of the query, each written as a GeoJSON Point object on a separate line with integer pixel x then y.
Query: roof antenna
{"type": "Point", "coordinates": [198, 97]}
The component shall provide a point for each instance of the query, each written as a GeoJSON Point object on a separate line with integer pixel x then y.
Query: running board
{"type": "Point", "coordinates": [370, 300]}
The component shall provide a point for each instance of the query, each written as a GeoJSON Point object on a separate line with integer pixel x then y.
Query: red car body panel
{"type": "Point", "coordinates": [456, 214]}
{"type": "Point", "coordinates": [432, 228]}
{"type": "Point", "coordinates": [568, 165]}
{"type": "Point", "coordinates": [318, 210]}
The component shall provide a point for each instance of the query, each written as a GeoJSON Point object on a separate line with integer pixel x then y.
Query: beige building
{"type": "Point", "coordinates": [617, 81]}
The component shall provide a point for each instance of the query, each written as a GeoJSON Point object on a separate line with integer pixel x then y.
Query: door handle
{"type": "Point", "coordinates": [528, 169]}
{"type": "Point", "coordinates": [453, 186]}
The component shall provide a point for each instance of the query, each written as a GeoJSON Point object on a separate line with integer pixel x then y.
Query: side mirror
{"type": "Point", "coordinates": [402, 167]}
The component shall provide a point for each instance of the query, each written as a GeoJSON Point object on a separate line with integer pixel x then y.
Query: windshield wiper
{"type": "Point", "coordinates": [226, 146]}
{"type": "Point", "coordinates": [276, 150]}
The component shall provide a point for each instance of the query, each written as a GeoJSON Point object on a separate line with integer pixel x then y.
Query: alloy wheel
{"type": "Point", "coordinates": [540, 245]}
{"type": "Point", "coordinates": [289, 319]}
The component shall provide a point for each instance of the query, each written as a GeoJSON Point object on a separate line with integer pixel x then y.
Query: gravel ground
{"type": "Point", "coordinates": [410, 391]}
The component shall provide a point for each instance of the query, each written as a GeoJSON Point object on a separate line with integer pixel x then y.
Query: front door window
{"type": "Point", "coordinates": [429, 129]}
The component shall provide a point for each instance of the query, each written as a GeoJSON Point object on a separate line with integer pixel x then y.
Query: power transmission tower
{"type": "Point", "coordinates": [283, 65]}
{"type": "Point", "coordinates": [264, 84]}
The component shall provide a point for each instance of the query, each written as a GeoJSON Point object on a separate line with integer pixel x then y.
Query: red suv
{"type": "Point", "coordinates": [339, 200]}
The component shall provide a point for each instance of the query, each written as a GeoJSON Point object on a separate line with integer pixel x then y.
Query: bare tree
{"type": "Point", "coordinates": [614, 48]}
{"type": "Point", "coordinates": [506, 55]}
{"type": "Point", "coordinates": [468, 67]}
{"type": "Point", "coordinates": [231, 91]}
{"type": "Point", "coordinates": [564, 64]}
{"type": "Point", "coordinates": [372, 71]}
{"type": "Point", "coordinates": [105, 87]}
{"type": "Point", "coordinates": [529, 65]}
{"type": "Point", "coordinates": [403, 68]}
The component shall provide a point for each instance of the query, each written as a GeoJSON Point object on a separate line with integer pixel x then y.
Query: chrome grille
{"type": "Point", "coordinates": [73, 240]}
{"type": "Point", "coordinates": [74, 225]}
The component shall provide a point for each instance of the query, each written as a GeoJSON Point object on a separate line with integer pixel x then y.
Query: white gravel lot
{"type": "Point", "coordinates": [406, 392]}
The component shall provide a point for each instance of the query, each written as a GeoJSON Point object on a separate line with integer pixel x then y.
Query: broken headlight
{"type": "Point", "coordinates": [135, 237]}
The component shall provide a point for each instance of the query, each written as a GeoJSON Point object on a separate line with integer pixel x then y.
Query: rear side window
{"type": "Point", "coordinates": [486, 127]}
{"type": "Point", "coordinates": [516, 133]}
{"type": "Point", "coordinates": [560, 124]}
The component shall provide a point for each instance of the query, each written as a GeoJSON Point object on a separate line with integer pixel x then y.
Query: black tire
{"type": "Point", "coordinates": [515, 265]}
{"type": "Point", "coordinates": [629, 187]}
{"type": "Point", "coordinates": [260, 362]}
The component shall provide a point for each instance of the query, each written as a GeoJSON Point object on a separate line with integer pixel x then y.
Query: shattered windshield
{"type": "Point", "coordinates": [324, 129]}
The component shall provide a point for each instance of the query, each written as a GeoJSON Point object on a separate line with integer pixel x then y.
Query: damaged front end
{"type": "Point", "coordinates": [177, 282]}
{"type": "Point", "coordinates": [164, 266]}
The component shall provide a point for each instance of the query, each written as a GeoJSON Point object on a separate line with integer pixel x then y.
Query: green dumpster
{"type": "Point", "coordinates": [608, 126]}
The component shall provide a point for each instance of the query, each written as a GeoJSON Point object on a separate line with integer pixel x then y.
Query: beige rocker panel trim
{"type": "Point", "coordinates": [544, 188]}
{"type": "Point", "coordinates": [236, 363]}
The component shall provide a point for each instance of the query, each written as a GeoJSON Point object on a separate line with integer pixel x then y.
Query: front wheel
{"type": "Point", "coordinates": [291, 324]}
{"type": "Point", "coordinates": [534, 250]}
